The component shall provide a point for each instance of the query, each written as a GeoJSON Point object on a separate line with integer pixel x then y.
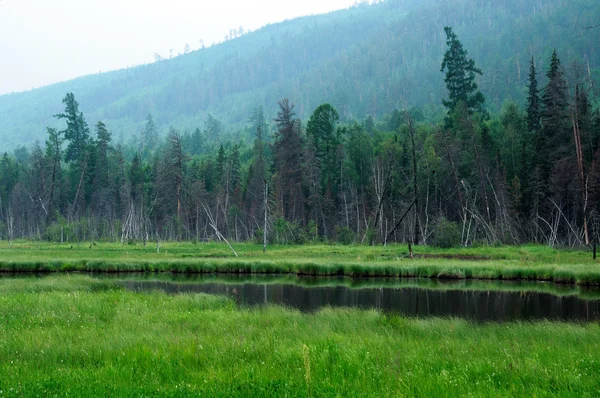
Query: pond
{"type": "Point", "coordinates": [474, 300]}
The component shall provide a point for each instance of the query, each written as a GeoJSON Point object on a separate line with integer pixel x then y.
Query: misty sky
{"type": "Point", "coordinates": [46, 41]}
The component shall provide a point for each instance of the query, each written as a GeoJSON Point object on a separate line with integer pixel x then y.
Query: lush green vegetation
{"type": "Point", "coordinates": [82, 337]}
{"type": "Point", "coordinates": [506, 263]}
{"type": "Point", "coordinates": [367, 60]}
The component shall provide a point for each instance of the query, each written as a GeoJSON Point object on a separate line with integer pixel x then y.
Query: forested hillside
{"type": "Point", "coordinates": [526, 173]}
{"type": "Point", "coordinates": [370, 126]}
{"type": "Point", "coordinates": [368, 60]}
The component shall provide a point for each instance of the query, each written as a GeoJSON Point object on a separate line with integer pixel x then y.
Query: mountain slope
{"type": "Point", "coordinates": [364, 60]}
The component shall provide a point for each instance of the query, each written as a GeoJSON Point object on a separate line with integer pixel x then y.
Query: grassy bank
{"type": "Point", "coordinates": [504, 263]}
{"type": "Point", "coordinates": [81, 336]}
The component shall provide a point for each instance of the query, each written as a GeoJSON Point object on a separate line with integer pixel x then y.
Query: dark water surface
{"type": "Point", "coordinates": [479, 301]}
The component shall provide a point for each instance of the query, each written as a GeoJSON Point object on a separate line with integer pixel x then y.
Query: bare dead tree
{"type": "Point", "coordinates": [266, 217]}
{"type": "Point", "coordinates": [213, 225]}
{"type": "Point", "coordinates": [417, 225]}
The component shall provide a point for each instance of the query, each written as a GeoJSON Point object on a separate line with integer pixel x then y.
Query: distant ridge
{"type": "Point", "coordinates": [366, 60]}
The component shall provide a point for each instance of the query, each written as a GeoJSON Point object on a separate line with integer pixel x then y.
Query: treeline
{"type": "Point", "coordinates": [524, 175]}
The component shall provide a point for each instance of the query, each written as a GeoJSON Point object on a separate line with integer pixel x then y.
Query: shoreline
{"type": "Point", "coordinates": [557, 274]}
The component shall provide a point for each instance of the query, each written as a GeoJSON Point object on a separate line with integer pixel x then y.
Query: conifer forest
{"type": "Point", "coordinates": [526, 172]}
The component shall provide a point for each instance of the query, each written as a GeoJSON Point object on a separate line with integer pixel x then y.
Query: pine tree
{"type": "Point", "coordinates": [212, 128]}
{"type": "Point", "coordinates": [257, 175]}
{"type": "Point", "coordinates": [322, 128]}
{"type": "Point", "coordinates": [77, 131]}
{"type": "Point", "coordinates": [288, 162]}
{"type": "Point", "coordinates": [220, 166]}
{"type": "Point", "coordinates": [149, 135]}
{"type": "Point", "coordinates": [136, 178]}
{"type": "Point", "coordinates": [196, 143]}
{"type": "Point", "coordinates": [77, 154]}
{"type": "Point", "coordinates": [53, 154]}
{"type": "Point", "coordinates": [533, 101]}
{"type": "Point", "coordinates": [103, 138]}
{"type": "Point", "coordinates": [325, 137]}
{"type": "Point", "coordinates": [234, 169]}
{"type": "Point", "coordinates": [176, 162]}
{"type": "Point", "coordinates": [460, 76]}
{"type": "Point", "coordinates": [258, 122]}
{"type": "Point", "coordinates": [553, 139]}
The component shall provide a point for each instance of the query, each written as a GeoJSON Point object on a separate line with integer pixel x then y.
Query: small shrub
{"type": "Point", "coordinates": [312, 231]}
{"type": "Point", "coordinates": [372, 236]}
{"type": "Point", "coordinates": [258, 237]}
{"type": "Point", "coordinates": [446, 234]}
{"type": "Point", "coordinates": [345, 235]}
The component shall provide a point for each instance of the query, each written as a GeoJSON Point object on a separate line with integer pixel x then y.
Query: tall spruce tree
{"type": "Point", "coordinates": [460, 76]}
{"type": "Point", "coordinates": [54, 154]}
{"type": "Point", "coordinates": [288, 162]}
{"type": "Point", "coordinates": [533, 100]}
{"type": "Point", "coordinates": [149, 135]}
{"type": "Point", "coordinates": [103, 138]}
{"type": "Point", "coordinates": [554, 136]}
{"type": "Point", "coordinates": [77, 131]}
{"type": "Point", "coordinates": [326, 139]}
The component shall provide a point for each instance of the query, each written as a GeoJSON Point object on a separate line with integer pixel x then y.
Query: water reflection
{"type": "Point", "coordinates": [474, 304]}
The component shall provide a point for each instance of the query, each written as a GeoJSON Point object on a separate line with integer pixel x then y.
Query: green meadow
{"type": "Point", "coordinates": [76, 335]}
{"type": "Point", "coordinates": [495, 263]}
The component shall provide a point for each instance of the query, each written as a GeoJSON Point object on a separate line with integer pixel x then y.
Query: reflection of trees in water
{"type": "Point", "coordinates": [478, 305]}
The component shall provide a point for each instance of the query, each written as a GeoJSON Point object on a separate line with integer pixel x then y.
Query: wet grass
{"type": "Point", "coordinates": [80, 336]}
{"type": "Point", "coordinates": [499, 263]}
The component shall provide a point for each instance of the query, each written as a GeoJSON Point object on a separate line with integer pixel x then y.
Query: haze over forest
{"type": "Point", "coordinates": [367, 60]}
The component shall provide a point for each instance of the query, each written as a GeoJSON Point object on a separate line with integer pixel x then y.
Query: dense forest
{"type": "Point", "coordinates": [367, 60]}
{"type": "Point", "coordinates": [524, 174]}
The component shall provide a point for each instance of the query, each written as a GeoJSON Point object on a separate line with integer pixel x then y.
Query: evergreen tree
{"type": "Point", "coordinates": [460, 76]}
{"type": "Point", "coordinates": [149, 135]}
{"type": "Point", "coordinates": [322, 127]}
{"type": "Point", "coordinates": [37, 182]}
{"type": "Point", "coordinates": [257, 175]}
{"type": "Point", "coordinates": [234, 170]}
{"type": "Point", "coordinates": [533, 100]}
{"type": "Point", "coordinates": [136, 178]}
{"type": "Point", "coordinates": [584, 119]}
{"type": "Point", "coordinates": [258, 122]}
{"type": "Point", "coordinates": [103, 138]}
{"type": "Point", "coordinates": [212, 128]}
{"type": "Point", "coordinates": [553, 140]}
{"type": "Point", "coordinates": [77, 131]}
{"type": "Point", "coordinates": [196, 146]}
{"type": "Point", "coordinates": [220, 166]}
{"type": "Point", "coordinates": [325, 137]}
{"type": "Point", "coordinates": [9, 177]}
{"type": "Point", "coordinates": [53, 154]}
{"type": "Point", "coordinates": [288, 162]}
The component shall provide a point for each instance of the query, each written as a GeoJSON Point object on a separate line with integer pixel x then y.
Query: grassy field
{"type": "Point", "coordinates": [82, 336]}
{"type": "Point", "coordinates": [509, 263]}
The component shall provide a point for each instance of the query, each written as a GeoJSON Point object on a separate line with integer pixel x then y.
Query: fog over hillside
{"type": "Point", "coordinates": [366, 60]}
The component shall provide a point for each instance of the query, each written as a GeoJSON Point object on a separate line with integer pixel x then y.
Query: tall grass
{"type": "Point", "coordinates": [80, 338]}
{"type": "Point", "coordinates": [504, 263]}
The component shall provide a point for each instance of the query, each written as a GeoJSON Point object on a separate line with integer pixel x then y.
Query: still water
{"type": "Point", "coordinates": [479, 301]}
